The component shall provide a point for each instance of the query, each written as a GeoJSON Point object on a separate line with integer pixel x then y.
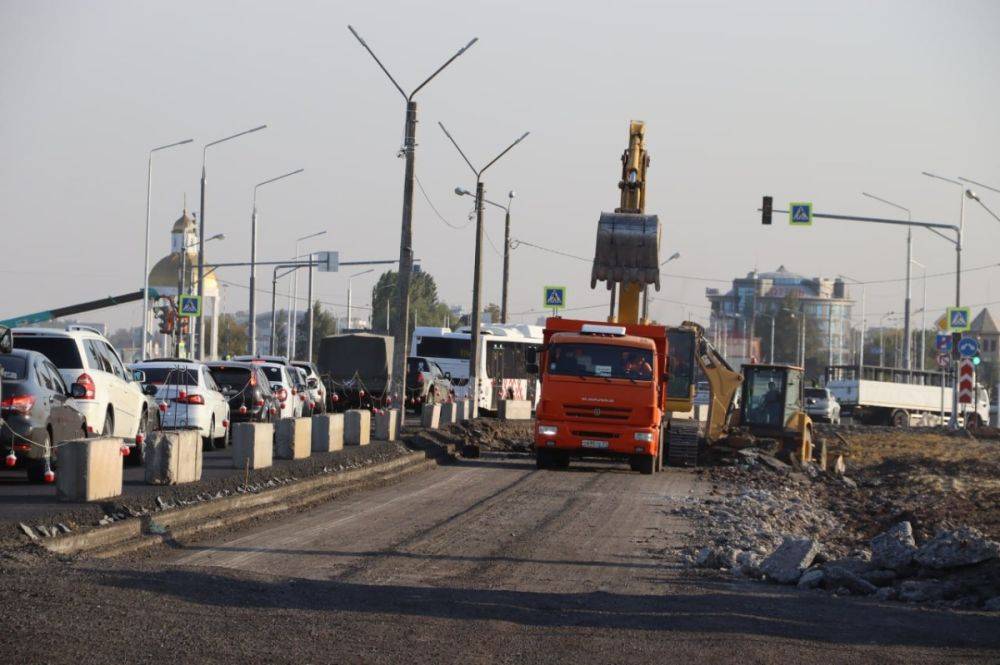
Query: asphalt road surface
{"type": "Point", "coordinates": [483, 561]}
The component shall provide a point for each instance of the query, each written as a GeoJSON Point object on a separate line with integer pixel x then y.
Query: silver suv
{"type": "Point", "coordinates": [822, 406]}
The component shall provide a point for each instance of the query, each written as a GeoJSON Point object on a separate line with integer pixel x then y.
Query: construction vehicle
{"type": "Point", "coordinates": [621, 388]}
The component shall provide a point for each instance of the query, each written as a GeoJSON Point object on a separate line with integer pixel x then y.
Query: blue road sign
{"type": "Point", "coordinates": [190, 305]}
{"type": "Point", "coordinates": [959, 319]}
{"type": "Point", "coordinates": [800, 214]}
{"type": "Point", "coordinates": [555, 297]}
{"type": "Point", "coordinates": [943, 343]}
{"type": "Point", "coordinates": [968, 347]}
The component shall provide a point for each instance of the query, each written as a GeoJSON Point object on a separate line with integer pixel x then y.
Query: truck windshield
{"type": "Point", "coordinates": [601, 360]}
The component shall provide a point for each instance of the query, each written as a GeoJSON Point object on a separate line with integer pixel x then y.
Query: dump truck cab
{"type": "Point", "coordinates": [603, 393]}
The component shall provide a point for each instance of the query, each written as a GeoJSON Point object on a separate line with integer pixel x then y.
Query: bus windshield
{"type": "Point", "coordinates": [600, 360]}
{"type": "Point", "coordinates": [443, 347]}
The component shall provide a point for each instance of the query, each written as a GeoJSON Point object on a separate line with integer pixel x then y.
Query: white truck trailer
{"type": "Point", "coordinates": [899, 397]}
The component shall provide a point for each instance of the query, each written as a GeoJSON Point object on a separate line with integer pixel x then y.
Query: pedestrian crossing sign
{"type": "Point", "coordinates": [189, 305]}
{"type": "Point", "coordinates": [959, 319]}
{"type": "Point", "coordinates": [800, 214]}
{"type": "Point", "coordinates": [555, 297]}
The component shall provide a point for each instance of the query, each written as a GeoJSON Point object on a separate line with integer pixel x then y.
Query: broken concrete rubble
{"type": "Point", "coordinates": [894, 548]}
{"type": "Point", "coordinates": [787, 563]}
{"type": "Point", "coordinates": [951, 549]}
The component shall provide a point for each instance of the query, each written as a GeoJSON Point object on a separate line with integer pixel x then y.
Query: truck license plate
{"type": "Point", "coordinates": [591, 443]}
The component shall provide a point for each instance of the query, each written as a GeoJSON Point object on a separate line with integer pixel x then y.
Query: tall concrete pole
{"type": "Point", "coordinates": [252, 324]}
{"type": "Point", "coordinates": [401, 330]}
{"type": "Point", "coordinates": [309, 348]}
{"type": "Point", "coordinates": [506, 265]}
{"type": "Point", "coordinates": [477, 285]}
{"type": "Point", "coordinates": [906, 304]}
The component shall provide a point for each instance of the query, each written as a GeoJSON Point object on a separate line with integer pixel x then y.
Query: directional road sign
{"type": "Point", "coordinates": [943, 343]}
{"type": "Point", "coordinates": [800, 214]}
{"type": "Point", "coordinates": [959, 319]}
{"type": "Point", "coordinates": [190, 305]}
{"type": "Point", "coordinates": [328, 261]}
{"type": "Point", "coordinates": [968, 347]}
{"type": "Point", "coordinates": [966, 384]}
{"type": "Point", "coordinates": [555, 297]}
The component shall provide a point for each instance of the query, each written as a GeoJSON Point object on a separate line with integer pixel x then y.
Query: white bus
{"type": "Point", "coordinates": [502, 372]}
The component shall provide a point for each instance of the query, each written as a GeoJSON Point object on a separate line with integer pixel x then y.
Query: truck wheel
{"type": "Point", "coordinates": [543, 459]}
{"type": "Point", "coordinates": [645, 464]}
{"type": "Point", "coordinates": [900, 418]}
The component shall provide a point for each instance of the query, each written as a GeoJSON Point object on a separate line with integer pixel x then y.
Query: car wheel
{"type": "Point", "coordinates": [36, 467]}
{"type": "Point", "coordinates": [206, 441]}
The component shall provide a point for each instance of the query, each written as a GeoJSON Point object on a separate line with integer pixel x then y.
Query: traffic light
{"type": "Point", "coordinates": [765, 210]}
{"type": "Point", "coordinates": [185, 325]}
{"type": "Point", "coordinates": [165, 315]}
{"type": "Point", "coordinates": [976, 359]}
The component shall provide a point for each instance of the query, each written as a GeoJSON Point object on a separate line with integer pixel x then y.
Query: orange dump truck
{"type": "Point", "coordinates": [603, 393]}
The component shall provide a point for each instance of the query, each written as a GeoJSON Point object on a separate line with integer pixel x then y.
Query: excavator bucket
{"type": "Point", "coordinates": [628, 249]}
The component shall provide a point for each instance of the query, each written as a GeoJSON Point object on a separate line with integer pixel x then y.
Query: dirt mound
{"type": "Point", "coordinates": [487, 433]}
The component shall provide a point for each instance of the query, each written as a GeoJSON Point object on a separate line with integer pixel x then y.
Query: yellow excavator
{"type": "Point", "coordinates": [627, 259]}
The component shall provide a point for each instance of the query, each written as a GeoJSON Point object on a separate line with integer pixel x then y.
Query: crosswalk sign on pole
{"type": "Point", "coordinates": [800, 214]}
{"type": "Point", "coordinates": [555, 297]}
{"type": "Point", "coordinates": [959, 319]}
{"type": "Point", "coordinates": [190, 305]}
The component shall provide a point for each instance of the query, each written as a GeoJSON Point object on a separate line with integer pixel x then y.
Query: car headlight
{"type": "Point", "coordinates": [547, 430]}
{"type": "Point", "coordinates": [644, 436]}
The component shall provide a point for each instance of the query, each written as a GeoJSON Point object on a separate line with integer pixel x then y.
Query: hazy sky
{"type": "Point", "coordinates": [804, 101]}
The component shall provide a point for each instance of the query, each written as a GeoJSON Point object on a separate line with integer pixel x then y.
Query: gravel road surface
{"type": "Point", "coordinates": [481, 561]}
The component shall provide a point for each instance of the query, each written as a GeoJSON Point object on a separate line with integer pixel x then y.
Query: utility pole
{"type": "Point", "coordinates": [474, 341]}
{"type": "Point", "coordinates": [406, 232]}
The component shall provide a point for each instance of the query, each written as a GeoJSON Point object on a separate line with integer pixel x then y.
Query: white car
{"type": "Point", "coordinates": [317, 393]}
{"type": "Point", "coordinates": [283, 386]}
{"type": "Point", "coordinates": [191, 396]}
{"type": "Point", "coordinates": [113, 401]}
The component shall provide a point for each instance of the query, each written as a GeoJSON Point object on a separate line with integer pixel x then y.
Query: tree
{"type": "Point", "coordinates": [324, 325]}
{"type": "Point", "coordinates": [493, 311]}
{"type": "Point", "coordinates": [425, 308]}
{"type": "Point", "coordinates": [234, 338]}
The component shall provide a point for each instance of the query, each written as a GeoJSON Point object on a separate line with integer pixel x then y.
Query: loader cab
{"type": "Point", "coordinates": [771, 398]}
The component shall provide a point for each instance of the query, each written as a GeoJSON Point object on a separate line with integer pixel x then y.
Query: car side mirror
{"type": "Point", "coordinates": [275, 387]}
{"type": "Point", "coordinates": [6, 340]}
{"type": "Point", "coordinates": [313, 383]}
{"type": "Point", "coordinates": [77, 391]}
{"type": "Point", "coordinates": [148, 389]}
{"type": "Point", "coordinates": [447, 375]}
{"type": "Point", "coordinates": [531, 368]}
{"type": "Point", "coordinates": [138, 376]}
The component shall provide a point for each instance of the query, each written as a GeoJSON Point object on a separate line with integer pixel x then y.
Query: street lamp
{"type": "Point", "coordinates": [958, 248]}
{"type": "Point", "coordinates": [909, 261]}
{"type": "Point", "coordinates": [673, 257]}
{"type": "Point", "coordinates": [293, 300]}
{"type": "Point", "coordinates": [406, 231]}
{"type": "Point", "coordinates": [506, 244]}
{"type": "Point", "coordinates": [349, 280]}
{"type": "Point", "coordinates": [477, 270]}
{"type": "Point", "coordinates": [200, 351]}
{"type": "Point", "coordinates": [975, 197]}
{"type": "Point", "coordinates": [253, 259]}
{"type": "Point", "coordinates": [145, 267]}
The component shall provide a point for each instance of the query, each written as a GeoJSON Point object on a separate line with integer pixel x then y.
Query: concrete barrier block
{"type": "Point", "coordinates": [89, 469]}
{"type": "Point", "coordinates": [514, 409]}
{"type": "Point", "coordinates": [357, 427]}
{"type": "Point", "coordinates": [430, 416]}
{"type": "Point", "coordinates": [387, 425]}
{"type": "Point", "coordinates": [449, 413]}
{"type": "Point", "coordinates": [464, 410]}
{"type": "Point", "coordinates": [328, 433]}
{"type": "Point", "coordinates": [172, 457]}
{"type": "Point", "coordinates": [293, 438]}
{"type": "Point", "coordinates": [253, 443]}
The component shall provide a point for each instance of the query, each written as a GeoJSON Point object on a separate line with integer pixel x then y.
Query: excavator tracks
{"type": "Point", "coordinates": [683, 443]}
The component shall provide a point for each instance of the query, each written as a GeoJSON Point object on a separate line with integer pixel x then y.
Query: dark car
{"type": "Point", "coordinates": [425, 383]}
{"type": "Point", "coordinates": [38, 410]}
{"type": "Point", "coordinates": [249, 392]}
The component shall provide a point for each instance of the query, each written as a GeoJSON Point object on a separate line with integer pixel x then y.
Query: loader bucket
{"type": "Point", "coordinates": [628, 249]}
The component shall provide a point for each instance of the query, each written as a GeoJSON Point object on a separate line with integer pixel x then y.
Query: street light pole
{"type": "Point", "coordinates": [200, 350]}
{"type": "Point", "coordinates": [506, 246]}
{"type": "Point", "coordinates": [907, 364]}
{"type": "Point", "coordinates": [145, 265]}
{"type": "Point", "coordinates": [975, 197]}
{"type": "Point", "coordinates": [474, 346]}
{"type": "Point", "coordinates": [253, 260]}
{"type": "Point", "coordinates": [406, 232]}
{"type": "Point", "coordinates": [293, 300]}
{"type": "Point", "coordinates": [349, 281]}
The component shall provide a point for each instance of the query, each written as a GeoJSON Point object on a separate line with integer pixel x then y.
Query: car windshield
{"type": "Point", "coordinates": [14, 368]}
{"type": "Point", "coordinates": [819, 393]}
{"type": "Point", "coordinates": [230, 377]}
{"type": "Point", "coordinates": [273, 373]}
{"type": "Point", "coordinates": [601, 360]}
{"type": "Point", "coordinates": [171, 376]}
{"type": "Point", "coordinates": [62, 351]}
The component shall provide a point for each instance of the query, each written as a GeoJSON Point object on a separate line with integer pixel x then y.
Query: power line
{"type": "Point", "coordinates": [434, 208]}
